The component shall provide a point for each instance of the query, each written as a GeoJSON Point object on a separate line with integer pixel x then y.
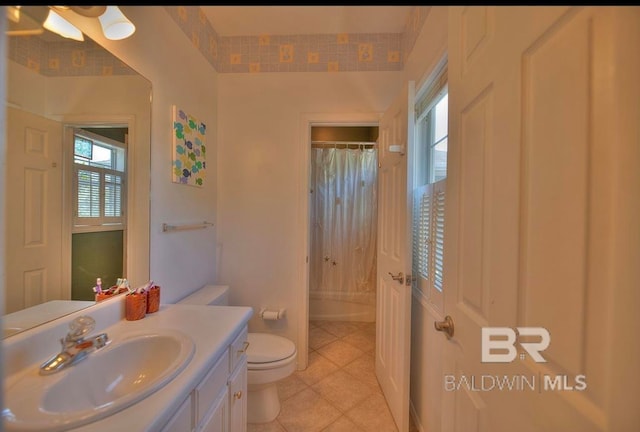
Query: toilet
{"type": "Point", "coordinates": [270, 358]}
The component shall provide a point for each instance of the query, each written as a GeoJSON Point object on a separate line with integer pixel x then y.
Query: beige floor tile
{"type": "Point", "coordinates": [317, 368]}
{"type": "Point", "coordinates": [338, 392]}
{"type": "Point", "coordinates": [344, 391]}
{"type": "Point", "coordinates": [319, 337]}
{"type": "Point", "coordinates": [339, 352]}
{"type": "Point", "coordinates": [369, 327]}
{"type": "Point", "coordinates": [289, 386]}
{"type": "Point", "coordinates": [343, 424]}
{"type": "Point", "coordinates": [307, 412]}
{"type": "Point", "coordinates": [273, 426]}
{"type": "Point", "coordinates": [361, 340]}
{"type": "Point", "coordinates": [338, 328]}
{"type": "Point", "coordinates": [373, 415]}
{"type": "Point", "coordinates": [364, 369]}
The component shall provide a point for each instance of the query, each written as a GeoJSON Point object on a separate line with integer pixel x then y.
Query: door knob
{"type": "Point", "coordinates": [445, 326]}
{"type": "Point", "coordinates": [399, 277]}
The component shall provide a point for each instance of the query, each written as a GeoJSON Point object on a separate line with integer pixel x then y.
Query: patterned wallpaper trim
{"type": "Point", "coordinates": [299, 53]}
{"type": "Point", "coordinates": [234, 54]}
{"type": "Point", "coordinates": [65, 58]}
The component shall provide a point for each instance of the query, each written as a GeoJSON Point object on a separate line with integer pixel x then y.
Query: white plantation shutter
{"type": "Point", "coordinates": [428, 236]}
{"type": "Point", "coordinates": [438, 233]}
{"type": "Point", "coordinates": [88, 193]}
{"type": "Point", "coordinates": [112, 195]}
{"type": "Point", "coordinates": [99, 196]}
{"type": "Point", "coordinates": [421, 230]}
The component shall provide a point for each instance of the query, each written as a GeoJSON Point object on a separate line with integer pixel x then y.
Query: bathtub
{"type": "Point", "coordinates": [341, 310]}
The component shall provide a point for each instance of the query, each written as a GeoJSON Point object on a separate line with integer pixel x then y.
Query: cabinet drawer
{"type": "Point", "coordinates": [238, 349]}
{"type": "Point", "coordinates": [213, 383]}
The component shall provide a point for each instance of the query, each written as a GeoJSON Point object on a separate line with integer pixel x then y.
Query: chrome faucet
{"type": "Point", "coordinates": [75, 346]}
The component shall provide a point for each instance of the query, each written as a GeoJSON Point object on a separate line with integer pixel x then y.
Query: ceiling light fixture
{"type": "Point", "coordinates": [115, 25]}
{"type": "Point", "coordinates": [13, 13]}
{"type": "Point", "coordinates": [22, 24]}
{"type": "Point", "coordinates": [61, 26]}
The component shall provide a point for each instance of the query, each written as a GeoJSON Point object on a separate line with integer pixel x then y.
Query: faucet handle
{"type": "Point", "coordinates": [80, 327]}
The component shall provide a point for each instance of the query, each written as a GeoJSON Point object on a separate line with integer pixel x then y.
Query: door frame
{"type": "Point", "coordinates": [307, 120]}
{"type": "Point", "coordinates": [80, 121]}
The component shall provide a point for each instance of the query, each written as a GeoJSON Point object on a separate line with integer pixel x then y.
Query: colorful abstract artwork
{"type": "Point", "coordinates": [189, 150]}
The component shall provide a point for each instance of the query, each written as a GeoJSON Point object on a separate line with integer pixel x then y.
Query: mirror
{"type": "Point", "coordinates": [59, 92]}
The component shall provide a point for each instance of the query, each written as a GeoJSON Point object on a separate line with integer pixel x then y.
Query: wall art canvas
{"type": "Point", "coordinates": [189, 150]}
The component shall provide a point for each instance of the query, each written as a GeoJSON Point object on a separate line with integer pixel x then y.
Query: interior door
{"type": "Point", "coordinates": [393, 320]}
{"type": "Point", "coordinates": [535, 138]}
{"type": "Point", "coordinates": [34, 193]}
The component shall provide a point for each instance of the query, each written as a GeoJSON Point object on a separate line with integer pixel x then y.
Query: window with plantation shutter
{"type": "Point", "coordinates": [422, 230]}
{"type": "Point", "coordinates": [430, 171]}
{"type": "Point", "coordinates": [437, 229]}
{"type": "Point", "coordinates": [99, 182]}
{"type": "Point", "coordinates": [428, 237]}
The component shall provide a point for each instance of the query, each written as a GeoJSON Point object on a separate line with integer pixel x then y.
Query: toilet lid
{"type": "Point", "coordinates": [266, 348]}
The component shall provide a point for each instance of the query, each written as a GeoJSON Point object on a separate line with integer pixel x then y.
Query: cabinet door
{"type": "Point", "coordinates": [182, 419]}
{"type": "Point", "coordinates": [211, 387]}
{"type": "Point", "coordinates": [218, 417]}
{"type": "Point", "coordinates": [238, 398]}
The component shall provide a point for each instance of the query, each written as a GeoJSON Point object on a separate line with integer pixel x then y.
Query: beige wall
{"type": "Point", "coordinates": [260, 164]}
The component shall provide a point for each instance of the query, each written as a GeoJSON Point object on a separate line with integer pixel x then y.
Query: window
{"type": "Point", "coordinates": [432, 116]}
{"type": "Point", "coordinates": [99, 181]}
{"type": "Point", "coordinates": [430, 189]}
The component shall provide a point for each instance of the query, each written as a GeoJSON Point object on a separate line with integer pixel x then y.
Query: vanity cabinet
{"type": "Point", "coordinates": [219, 402]}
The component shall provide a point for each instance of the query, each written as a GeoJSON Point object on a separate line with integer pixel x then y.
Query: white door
{"type": "Point", "coordinates": [34, 196]}
{"type": "Point", "coordinates": [393, 320]}
{"type": "Point", "coordinates": [536, 138]}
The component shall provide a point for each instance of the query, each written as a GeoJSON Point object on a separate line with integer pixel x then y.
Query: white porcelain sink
{"type": "Point", "coordinates": [107, 381]}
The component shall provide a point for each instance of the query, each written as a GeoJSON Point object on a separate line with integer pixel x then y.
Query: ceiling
{"type": "Point", "coordinates": [288, 20]}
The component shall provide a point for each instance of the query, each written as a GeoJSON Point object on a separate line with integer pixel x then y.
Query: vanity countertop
{"type": "Point", "coordinates": [27, 318]}
{"type": "Point", "coordinates": [212, 329]}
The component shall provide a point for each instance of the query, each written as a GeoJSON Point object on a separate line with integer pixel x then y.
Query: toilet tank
{"type": "Point", "coordinates": [208, 295]}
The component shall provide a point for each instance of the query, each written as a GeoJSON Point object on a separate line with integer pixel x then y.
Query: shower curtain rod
{"type": "Point", "coordinates": [343, 144]}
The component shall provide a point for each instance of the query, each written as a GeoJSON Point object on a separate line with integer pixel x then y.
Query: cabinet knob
{"type": "Point", "coordinates": [244, 348]}
{"type": "Point", "coordinates": [238, 394]}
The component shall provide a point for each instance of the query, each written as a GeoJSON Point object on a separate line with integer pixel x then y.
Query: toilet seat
{"type": "Point", "coordinates": [269, 351]}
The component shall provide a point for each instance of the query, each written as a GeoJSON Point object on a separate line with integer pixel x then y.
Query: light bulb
{"type": "Point", "coordinates": [61, 26]}
{"type": "Point", "coordinates": [115, 25]}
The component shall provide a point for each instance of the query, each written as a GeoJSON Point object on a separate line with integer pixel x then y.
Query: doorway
{"type": "Point", "coordinates": [98, 195]}
{"type": "Point", "coordinates": [342, 224]}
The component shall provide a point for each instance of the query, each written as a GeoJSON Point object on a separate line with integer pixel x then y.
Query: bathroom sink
{"type": "Point", "coordinates": [107, 381]}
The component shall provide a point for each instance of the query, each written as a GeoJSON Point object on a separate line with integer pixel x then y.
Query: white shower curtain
{"type": "Point", "coordinates": [343, 221]}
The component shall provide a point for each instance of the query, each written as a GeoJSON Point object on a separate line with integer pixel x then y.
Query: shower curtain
{"type": "Point", "coordinates": [343, 222]}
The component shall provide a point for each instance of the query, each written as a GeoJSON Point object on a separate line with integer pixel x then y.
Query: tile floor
{"type": "Point", "coordinates": [338, 391]}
